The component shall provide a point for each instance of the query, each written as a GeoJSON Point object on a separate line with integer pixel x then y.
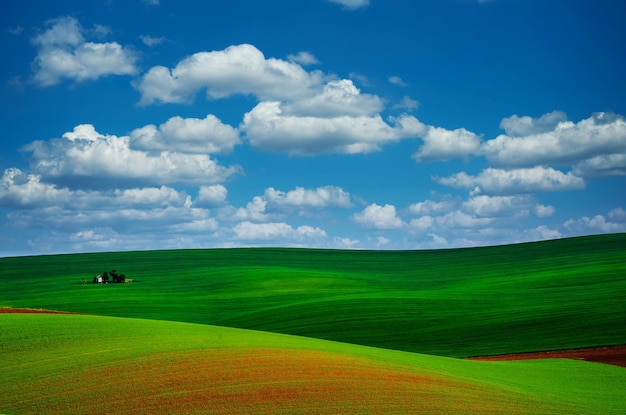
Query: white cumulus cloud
{"type": "Point", "coordinates": [299, 112]}
{"type": "Point", "coordinates": [211, 196]}
{"type": "Point", "coordinates": [337, 98]}
{"type": "Point", "coordinates": [509, 206]}
{"type": "Point", "coordinates": [553, 140]}
{"type": "Point", "coordinates": [614, 222]}
{"type": "Point", "coordinates": [239, 69]}
{"type": "Point", "coordinates": [605, 165]}
{"type": "Point", "coordinates": [275, 231]}
{"type": "Point", "coordinates": [516, 126]}
{"type": "Point", "coordinates": [19, 189]}
{"type": "Point", "coordinates": [430, 207]}
{"type": "Point", "coordinates": [375, 216]}
{"type": "Point", "coordinates": [441, 144]}
{"type": "Point", "coordinates": [267, 128]}
{"type": "Point", "coordinates": [63, 52]}
{"type": "Point", "coordinates": [87, 158]}
{"type": "Point", "coordinates": [187, 135]}
{"type": "Point", "coordinates": [321, 197]}
{"type": "Point", "coordinates": [22, 190]}
{"type": "Point", "coordinates": [517, 181]}
{"type": "Point", "coordinates": [255, 210]}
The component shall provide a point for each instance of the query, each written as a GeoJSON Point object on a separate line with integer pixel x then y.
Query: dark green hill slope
{"type": "Point", "coordinates": [536, 296]}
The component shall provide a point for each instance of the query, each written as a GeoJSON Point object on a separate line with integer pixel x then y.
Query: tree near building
{"type": "Point", "coordinates": [112, 276]}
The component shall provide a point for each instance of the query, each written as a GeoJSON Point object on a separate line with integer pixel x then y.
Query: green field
{"type": "Point", "coordinates": [463, 302]}
{"type": "Point", "coordinates": [398, 321]}
{"type": "Point", "coordinates": [90, 364]}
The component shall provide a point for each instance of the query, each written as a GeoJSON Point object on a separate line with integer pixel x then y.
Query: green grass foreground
{"type": "Point", "coordinates": [92, 365]}
{"type": "Point", "coordinates": [558, 294]}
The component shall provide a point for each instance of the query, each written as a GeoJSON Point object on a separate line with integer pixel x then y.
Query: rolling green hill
{"type": "Point", "coordinates": [61, 364]}
{"type": "Point", "coordinates": [460, 302]}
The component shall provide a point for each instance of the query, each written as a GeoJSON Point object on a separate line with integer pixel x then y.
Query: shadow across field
{"type": "Point", "coordinates": [614, 355]}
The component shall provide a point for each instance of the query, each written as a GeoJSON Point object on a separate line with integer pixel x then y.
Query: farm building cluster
{"type": "Point", "coordinates": [112, 277]}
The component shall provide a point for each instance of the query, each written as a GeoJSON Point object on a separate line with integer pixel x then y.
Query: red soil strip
{"type": "Point", "coordinates": [8, 310]}
{"type": "Point", "coordinates": [614, 355]}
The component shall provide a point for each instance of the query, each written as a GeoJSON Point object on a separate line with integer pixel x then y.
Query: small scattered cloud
{"type": "Point", "coordinates": [274, 204]}
{"type": "Point", "coordinates": [345, 243]}
{"type": "Point", "coordinates": [517, 181]}
{"type": "Point", "coordinates": [303, 58]}
{"type": "Point", "coordinates": [618, 215]}
{"type": "Point", "coordinates": [151, 2]}
{"type": "Point", "coordinates": [407, 104]}
{"type": "Point", "coordinates": [614, 222]}
{"type": "Point", "coordinates": [63, 53]}
{"type": "Point", "coordinates": [318, 198]}
{"type": "Point", "coordinates": [352, 4]}
{"type": "Point", "coordinates": [360, 78]}
{"type": "Point", "coordinates": [544, 232]}
{"type": "Point", "coordinates": [516, 126]}
{"type": "Point", "coordinates": [211, 196]}
{"type": "Point", "coordinates": [279, 231]}
{"type": "Point", "coordinates": [508, 206]}
{"type": "Point", "coordinates": [16, 82]}
{"type": "Point", "coordinates": [187, 135]}
{"type": "Point", "coordinates": [15, 30]}
{"type": "Point", "coordinates": [100, 31]}
{"type": "Point", "coordinates": [448, 223]}
{"type": "Point", "coordinates": [255, 211]}
{"type": "Point", "coordinates": [429, 207]}
{"type": "Point", "coordinates": [379, 217]}
{"type": "Point", "coordinates": [441, 144]}
{"type": "Point", "coordinates": [396, 80]}
{"type": "Point", "coordinates": [151, 41]}
{"type": "Point", "coordinates": [462, 220]}
{"type": "Point", "coordinates": [201, 226]}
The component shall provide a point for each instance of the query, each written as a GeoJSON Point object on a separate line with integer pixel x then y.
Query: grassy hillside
{"type": "Point", "coordinates": [462, 302]}
{"type": "Point", "coordinates": [93, 365]}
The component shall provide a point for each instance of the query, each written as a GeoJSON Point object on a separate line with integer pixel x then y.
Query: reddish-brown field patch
{"type": "Point", "coordinates": [614, 355]}
{"type": "Point", "coordinates": [272, 381]}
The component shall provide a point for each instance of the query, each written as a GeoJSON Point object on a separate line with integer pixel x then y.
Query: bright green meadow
{"type": "Point", "coordinates": [69, 363]}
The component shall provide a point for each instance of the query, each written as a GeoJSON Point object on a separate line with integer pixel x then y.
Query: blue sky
{"type": "Point", "coordinates": [361, 124]}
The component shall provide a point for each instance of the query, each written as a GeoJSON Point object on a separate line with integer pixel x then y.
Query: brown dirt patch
{"type": "Point", "coordinates": [610, 355]}
{"type": "Point", "coordinates": [9, 310]}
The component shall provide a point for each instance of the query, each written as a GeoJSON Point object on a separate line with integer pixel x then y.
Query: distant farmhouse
{"type": "Point", "coordinates": [112, 277]}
